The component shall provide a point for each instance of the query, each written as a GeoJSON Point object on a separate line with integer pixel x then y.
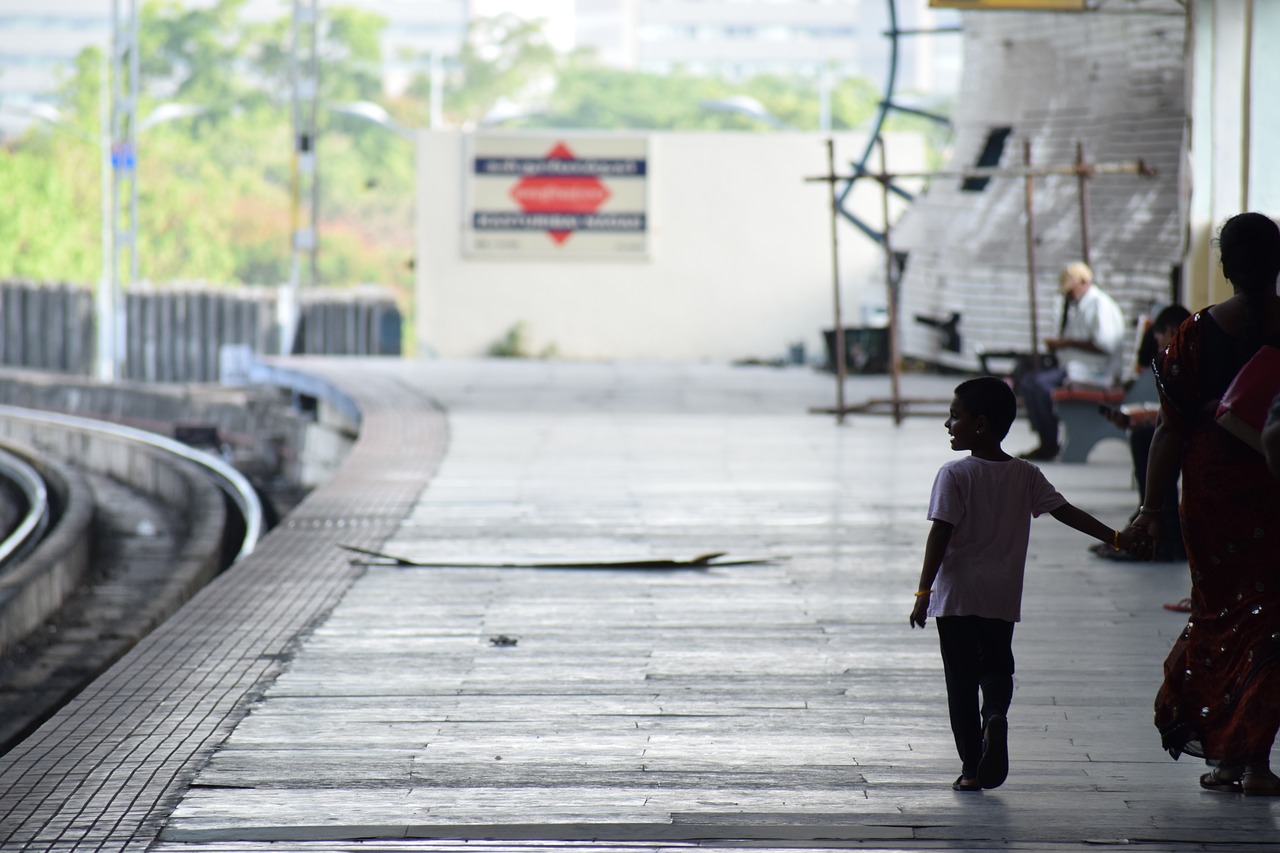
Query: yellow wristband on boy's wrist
{"type": "Point", "coordinates": [923, 592]}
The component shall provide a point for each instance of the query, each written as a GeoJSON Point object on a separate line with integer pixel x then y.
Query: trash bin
{"type": "Point", "coordinates": [866, 349]}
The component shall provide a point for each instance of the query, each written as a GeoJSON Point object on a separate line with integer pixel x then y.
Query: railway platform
{"type": "Point", "coordinates": [501, 687]}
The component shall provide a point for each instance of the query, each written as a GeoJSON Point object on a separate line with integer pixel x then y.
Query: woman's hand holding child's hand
{"type": "Point", "coordinates": [1147, 525]}
{"type": "Point", "coordinates": [1136, 542]}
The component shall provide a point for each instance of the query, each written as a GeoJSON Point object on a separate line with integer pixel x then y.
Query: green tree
{"type": "Point", "coordinates": [589, 95]}
{"type": "Point", "coordinates": [186, 52]}
{"type": "Point", "coordinates": [42, 234]}
{"type": "Point", "coordinates": [214, 199]}
{"type": "Point", "coordinates": [50, 226]}
{"type": "Point", "coordinates": [214, 190]}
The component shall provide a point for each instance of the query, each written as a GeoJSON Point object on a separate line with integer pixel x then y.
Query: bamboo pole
{"type": "Point", "coordinates": [895, 366]}
{"type": "Point", "coordinates": [1029, 198]}
{"type": "Point", "coordinates": [1080, 168]}
{"type": "Point", "coordinates": [838, 343]}
{"type": "Point", "coordinates": [1091, 170]}
{"type": "Point", "coordinates": [1082, 182]}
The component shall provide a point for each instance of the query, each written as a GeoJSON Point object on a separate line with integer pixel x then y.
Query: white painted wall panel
{"type": "Point", "coordinates": [739, 258]}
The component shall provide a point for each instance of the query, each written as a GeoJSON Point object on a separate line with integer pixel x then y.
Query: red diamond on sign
{"type": "Point", "coordinates": [569, 194]}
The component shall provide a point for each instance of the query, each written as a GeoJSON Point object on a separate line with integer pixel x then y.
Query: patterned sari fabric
{"type": "Point", "coordinates": [1221, 694]}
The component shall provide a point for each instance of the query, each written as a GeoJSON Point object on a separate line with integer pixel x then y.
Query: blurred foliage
{"type": "Point", "coordinates": [214, 189]}
{"type": "Point", "coordinates": [214, 197]}
{"type": "Point", "coordinates": [517, 342]}
{"type": "Point", "coordinates": [590, 95]}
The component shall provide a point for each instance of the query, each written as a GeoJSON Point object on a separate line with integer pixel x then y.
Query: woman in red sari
{"type": "Point", "coordinates": [1221, 694]}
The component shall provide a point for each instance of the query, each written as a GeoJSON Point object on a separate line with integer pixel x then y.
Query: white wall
{"type": "Point", "coordinates": [1235, 119]}
{"type": "Point", "coordinates": [739, 266]}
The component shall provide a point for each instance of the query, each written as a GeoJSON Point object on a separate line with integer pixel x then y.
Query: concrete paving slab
{"type": "Point", "coordinates": [774, 705]}
{"type": "Point", "coordinates": [780, 706]}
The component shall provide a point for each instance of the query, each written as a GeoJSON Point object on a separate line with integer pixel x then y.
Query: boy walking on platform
{"type": "Point", "coordinates": [974, 559]}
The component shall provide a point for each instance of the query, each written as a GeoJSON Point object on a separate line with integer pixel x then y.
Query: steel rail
{"type": "Point", "coordinates": [35, 521]}
{"type": "Point", "coordinates": [231, 481]}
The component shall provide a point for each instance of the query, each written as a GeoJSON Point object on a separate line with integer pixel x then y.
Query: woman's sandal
{"type": "Point", "coordinates": [1250, 783]}
{"type": "Point", "coordinates": [963, 784]}
{"type": "Point", "coordinates": [1216, 781]}
{"type": "Point", "coordinates": [1254, 784]}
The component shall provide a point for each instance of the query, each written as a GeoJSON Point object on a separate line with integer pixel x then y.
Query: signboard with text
{"type": "Point", "coordinates": [557, 197]}
{"type": "Point", "coordinates": [1025, 5]}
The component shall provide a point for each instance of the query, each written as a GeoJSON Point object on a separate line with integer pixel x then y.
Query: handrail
{"type": "Point", "coordinates": [300, 382]}
{"type": "Point", "coordinates": [27, 534]}
{"type": "Point", "coordinates": [231, 481]}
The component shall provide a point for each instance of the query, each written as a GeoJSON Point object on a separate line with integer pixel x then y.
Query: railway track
{"type": "Point", "coordinates": [107, 531]}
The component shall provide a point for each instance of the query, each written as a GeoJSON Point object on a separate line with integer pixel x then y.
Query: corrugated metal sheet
{"type": "Point", "coordinates": [1114, 82]}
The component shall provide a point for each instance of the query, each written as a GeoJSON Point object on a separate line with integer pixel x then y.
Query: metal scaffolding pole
{"type": "Point", "coordinates": [303, 68]}
{"type": "Point", "coordinates": [124, 187]}
{"type": "Point", "coordinates": [891, 285]}
{"type": "Point", "coordinates": [1028, 182]}
{"type": "Point", "coordinates": [1083, 170]}
{"type": "Point", "coordinates": [838, 337]}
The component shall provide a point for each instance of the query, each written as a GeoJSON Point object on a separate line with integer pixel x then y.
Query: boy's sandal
{"type": "Point", "coordinates": [963, 784]}
{"type": "Point", "coordinates": [993, 767]}
{"type": "Point", "coordinates": [1215, 781]}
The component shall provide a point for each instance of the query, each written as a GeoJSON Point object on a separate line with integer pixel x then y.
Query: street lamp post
{"type": "Point", "coordinates": [745, 105]}
{"type": "Point", "coordinates": [125, 74]}
{"type": "Point", "coordinates": [105, 361]}
{"type": "Point", "coordinates": [123, 161]}
{"type": "Point", "coordinates": [374, 113]}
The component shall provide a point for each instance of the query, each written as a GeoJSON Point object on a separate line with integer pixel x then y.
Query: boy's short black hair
{"type": "Point", "coordinates": [991, 397]}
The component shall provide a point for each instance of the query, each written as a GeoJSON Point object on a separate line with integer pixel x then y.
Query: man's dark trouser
{"type": "Point", "coordinates": [977, 653]}
{"type": "Point", "coordinates": [1170, 545]}
{"type": "Point", "coordinates": [1036, 390]}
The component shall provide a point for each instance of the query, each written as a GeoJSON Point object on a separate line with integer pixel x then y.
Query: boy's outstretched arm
{"type": "Point", "coordinates": [934, 547]}
{"type": "Point", "coordinates": [1129, 540]}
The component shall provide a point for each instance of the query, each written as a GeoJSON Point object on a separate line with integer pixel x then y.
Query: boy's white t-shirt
{"type": "Point", "coordinates": [990, 505]}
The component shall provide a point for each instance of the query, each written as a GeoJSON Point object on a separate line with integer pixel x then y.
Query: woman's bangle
{"type": "Point", "coordinates": [1115, 541]}
{"type": "Point", "coordinates": [923, 592]}
{"type": "Point", "coordinates": [1149, 510]}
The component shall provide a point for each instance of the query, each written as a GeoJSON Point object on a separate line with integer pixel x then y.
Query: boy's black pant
{"type": "Point", "coordinates": [977, 653]}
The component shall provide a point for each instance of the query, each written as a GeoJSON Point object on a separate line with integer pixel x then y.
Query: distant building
{"type": "Point", "coordinates": [39, 41]}
{"type": "Point", "coordinates": [415, 30]}
{"type": "Point", "coordinates": [740, 38]}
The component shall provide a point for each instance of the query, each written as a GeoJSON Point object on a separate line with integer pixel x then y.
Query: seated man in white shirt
{"type": "Point", "coordinates": [1089, 351]}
